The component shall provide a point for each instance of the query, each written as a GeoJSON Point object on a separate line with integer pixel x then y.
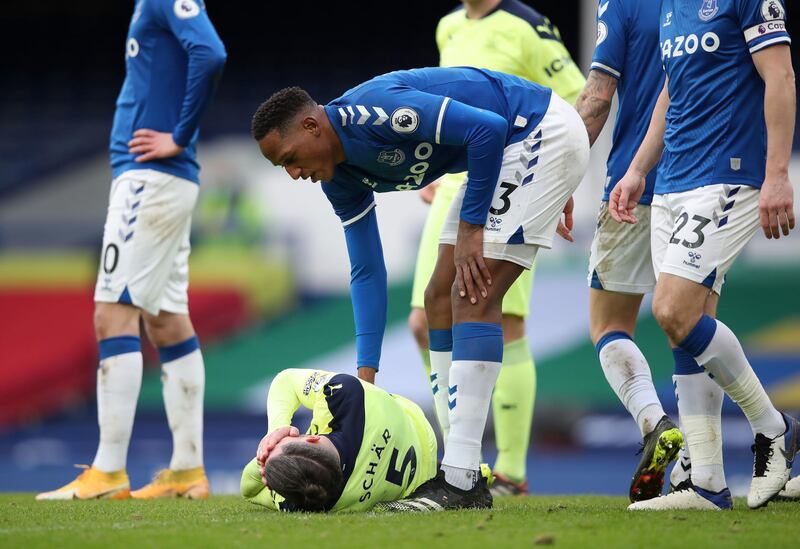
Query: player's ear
{"type": "Point", "coordinates": [312, 439]}
{"type": "Point", "coordinates": [311, 125]}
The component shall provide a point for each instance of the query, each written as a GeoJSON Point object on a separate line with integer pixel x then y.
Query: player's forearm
{"type": "Point", "coordinates": [779, 115]}
{"type": "Point", "coordinates": [594, 102]}
{"type": "Point", "coordinates": [652, 146]}
{"type": "Point", "coordinates": [285, 397]}
{"type": "Point", "coordinates": [367, 288]}
{"type": "Point", "coordinates": [202, 76]}
{"type": "Point", "coordinates": [252, 488]}
{"type": "Point", "coordinates": [484, 135]}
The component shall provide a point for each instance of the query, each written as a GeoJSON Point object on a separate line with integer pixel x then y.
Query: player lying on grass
{"type": "Point", "coordinates": [525, 150]}
{"type": "Point", "coordinates": [364, 446]}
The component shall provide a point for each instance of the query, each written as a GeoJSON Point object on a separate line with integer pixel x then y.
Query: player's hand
{"type": "Point", "coordinates": [625, 196]}
{"type": "Point", "coordinates": [776, 205]}
{"type": "Point", "coordinates": [472, 274]}
{"type": "Point", "coordinates": [268, 444]}
{"type": "Point", "coordinates": [564, 228]}
{"type": "Point", "coordinates": [427, 193]}
{"type": "Point", "coordinates": [150, 145]}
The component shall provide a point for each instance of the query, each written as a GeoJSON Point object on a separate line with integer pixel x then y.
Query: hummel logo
{"type": "Point", "coordinates": [602, 9]}
{"type": "Point", "coordinates": [687, 465]}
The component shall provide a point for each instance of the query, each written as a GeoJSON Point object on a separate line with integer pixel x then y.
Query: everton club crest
{"type": "Point", "coordinates": [393, 158]}
{"type": "Point", "coordinates": [708, 10]}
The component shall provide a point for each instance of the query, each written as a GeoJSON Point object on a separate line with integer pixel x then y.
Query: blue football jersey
{"type": "Point", "coordinates": [627, 49]}
{"type": "Point", "coordinates": [715, 129]}
{"type": "Point", "coordinates": [402, 130]}
{"type": "Point", "coordinates": [173, 59]}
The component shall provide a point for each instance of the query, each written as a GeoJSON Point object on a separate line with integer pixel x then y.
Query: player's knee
{"type": "Point", "coordinates": [486, 309]}
{"type": "Point", "coordinates": [167, 328]}
{"type": "Point", "coordinates": [437, 296]}
{"type": "Point", "coordinates": [114, 319]}
{"type": "Point", "coordinates": [672, 318]}
{"type": "Point", "coordinates": [418, 325]}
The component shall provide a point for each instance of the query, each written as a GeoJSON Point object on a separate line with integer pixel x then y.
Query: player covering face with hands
{"type": "Point", "coordinates": [525, 150]}
{"type": "Point", "coordinates": [364, 446]}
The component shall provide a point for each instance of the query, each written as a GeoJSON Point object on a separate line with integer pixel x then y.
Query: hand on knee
{"type": "Point", "coordinates": [485, 310]}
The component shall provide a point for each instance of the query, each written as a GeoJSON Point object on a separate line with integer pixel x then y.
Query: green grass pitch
{"type": "Point", "coordinates": [564, 521]}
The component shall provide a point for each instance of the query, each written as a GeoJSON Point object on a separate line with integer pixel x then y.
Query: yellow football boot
{"type": "Point", "coordinates": [189, 483]}
{"type": "Point", "coordinates": [92, 484]}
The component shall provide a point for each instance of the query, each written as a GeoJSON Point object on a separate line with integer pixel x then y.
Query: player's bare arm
{"type": "Point", "coordinates": [628, 191]}
{"type": "Point", "coordinates": [594, 102]}
{"type": "Point", "coordinates": [367, 373]}
{"type": "Point", "coordinates": [776, 208]}
{"type": "Point", "coordinates": [151, 145]}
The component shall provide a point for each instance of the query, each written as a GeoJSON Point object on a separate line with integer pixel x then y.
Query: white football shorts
{"type": "Point", "coordinates": [145, 255]}
{"type": "Point", "coordinates": [537, 178]}
{"type": "Point", "coordinates": [620, 259]}
{"type": "Point", "coordinates": [698, 234]}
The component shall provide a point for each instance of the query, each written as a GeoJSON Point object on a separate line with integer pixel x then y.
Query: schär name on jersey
{"type": "Point", "coordinates": [689, 44]}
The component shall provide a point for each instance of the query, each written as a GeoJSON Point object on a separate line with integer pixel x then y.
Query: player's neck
{"type": "Point", "coordinates": [476, 9]}
{"type": "Point", "coordinates": [336, 143]}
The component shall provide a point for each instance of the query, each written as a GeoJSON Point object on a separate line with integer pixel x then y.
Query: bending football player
{"type": "Point", "coordinates": [525, 151]}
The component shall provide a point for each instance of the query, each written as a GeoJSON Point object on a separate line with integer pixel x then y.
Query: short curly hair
{"type": "Point", "coordinates": [278, 111]}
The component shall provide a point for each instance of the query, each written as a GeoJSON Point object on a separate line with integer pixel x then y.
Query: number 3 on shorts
{"type": "Point", "coordinates": [681, 222]}
{"type": "Point", "coordinates": [508, 188]}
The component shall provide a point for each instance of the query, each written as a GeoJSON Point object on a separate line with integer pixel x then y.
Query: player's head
{"type": "Point", "coordinates": [305, 472]}
{"type": "Point", "coordinates": [294, 132]}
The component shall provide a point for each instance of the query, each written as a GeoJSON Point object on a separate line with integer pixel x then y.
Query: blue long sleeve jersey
{"type": "Point", "coordinates": [173, 60]}
{"type": "Point", "coordinates": [401, 131]}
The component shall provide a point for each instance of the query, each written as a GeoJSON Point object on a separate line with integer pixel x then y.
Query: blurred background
{"type": "Point", "coordinates": [269, 272]}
